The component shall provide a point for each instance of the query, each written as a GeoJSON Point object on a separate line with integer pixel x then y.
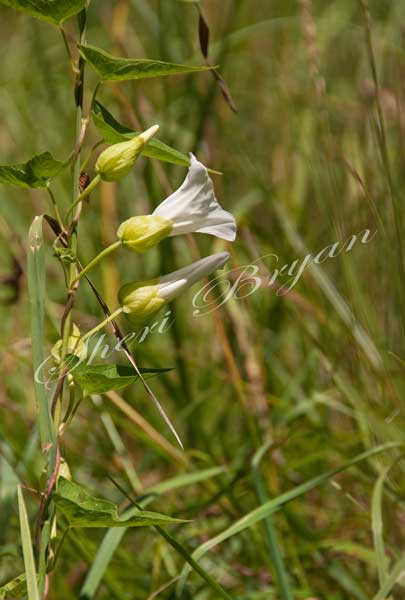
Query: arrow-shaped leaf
{"type": "Point", "coordinates": [112, 68]}
{"type": "Point", "coordinates": [36, 173]}
{"type": "Point", "coordinates": [83, 510]}
{"type": "Point", "coordinates": [98, 379]}
{"type": "Point", "coordinates": [53, 11]}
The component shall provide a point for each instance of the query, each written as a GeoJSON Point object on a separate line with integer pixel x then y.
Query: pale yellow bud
{"type": "Point", "coordinates": [143, 232]}
{"type": "Point", "coordinates": [117, 160]}
{"type": "Point", "coordinates": [75, 346]}
{"type": "Point", "coordinates": [140, 300]}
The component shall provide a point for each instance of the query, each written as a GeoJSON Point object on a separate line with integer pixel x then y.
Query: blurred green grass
{"type": "Point", "coordinates": [303, 155]}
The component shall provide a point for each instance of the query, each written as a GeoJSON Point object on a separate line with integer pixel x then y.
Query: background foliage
{"type": "Point", "coordinates": [312, 378]}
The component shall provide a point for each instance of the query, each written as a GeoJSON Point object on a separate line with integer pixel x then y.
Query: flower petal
{"type": "Point", "coordinates": [194, 208]}
{"type": "Point", "coordinates": [171, 285]}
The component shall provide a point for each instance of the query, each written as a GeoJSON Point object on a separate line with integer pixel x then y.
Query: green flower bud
{"type": "Point", "coordinates": [140, 300]}
{"type": "Point", "coordinates": [143, 232]}
{"type": "Point", "coordinates": [117, 160]}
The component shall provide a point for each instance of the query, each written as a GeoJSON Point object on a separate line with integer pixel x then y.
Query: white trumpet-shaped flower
{"type": "Point", "coordinates": [141, 300]}
{"type": "Point", "coordinates": [192, 208]}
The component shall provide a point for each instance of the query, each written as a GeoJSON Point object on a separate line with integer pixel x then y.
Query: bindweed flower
{"type": "Point", "coordinates": [117, 160]}
{"type": "Point", "coordinates": [192, 208]}
{"type": "Point", "coordinates": [141, 300]}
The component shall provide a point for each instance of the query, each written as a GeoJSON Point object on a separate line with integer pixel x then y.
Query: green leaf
{"type": "Point", "coordinates": [16, 588]}
{"type": "Point", "coordinates": [83, 510]}
{"type": "Point", "coordinates": [53, 11]}
{"type": "Point", "coordinates": [36, 173]}
{"type": "Point", "coordinates": [111, 68]}
{"type": "Point", "coordinates": [98, 379]}
{"type": "Point", "coordinates": [29, 563]}
{"type": "Point", "coordinates": [113, 133]}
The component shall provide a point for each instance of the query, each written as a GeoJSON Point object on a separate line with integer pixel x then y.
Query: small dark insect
{"type": "Point", "coordinates": [83, 181]}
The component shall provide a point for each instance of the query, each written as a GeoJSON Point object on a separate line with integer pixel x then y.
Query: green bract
{"type": "Point", "coordinates": [140, 300]}
{"type": "Point", "coordinates": [143, 232]}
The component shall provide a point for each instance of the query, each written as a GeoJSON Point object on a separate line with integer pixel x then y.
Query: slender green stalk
{"type": "Point", "coordinates": [102, 324]}
{"type": "Point", "coordinates": [83, 195]}
{"type": "Point", "coordinates": [76, 179]}
{"type": "Point", "coordinates": [78, 94]}
{"type": "Point", "coordinates": [72, 267]}
{"type": "Point", "coordinates": [90, 154]}
{"type": "Point", "coordinates": [95, 261]}
{"type": "Point", "coordinates": [55, 208]}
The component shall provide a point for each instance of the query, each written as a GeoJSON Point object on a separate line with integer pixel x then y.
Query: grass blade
{"type": "Point", "coordinates": [329, 289]}
{"type": "Point", "coordinates": [271, 534]}
{"type": "Point", "coordinates": [193, 564]}
{"type": "Point", "coordinates": [29, 564]}
{"type": "Point", "coordinates": [377, 526]}
{"type": "Point", "coordinates": [395, 575]}
{"type": "Point", "coordinates": [346, 581]}
{"type": "Point", "coordinates": [36, 288]}
{"type": "Point", "coordinates": [272, 506]}
{"type": "Point", "coordinates": [113, 537]}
